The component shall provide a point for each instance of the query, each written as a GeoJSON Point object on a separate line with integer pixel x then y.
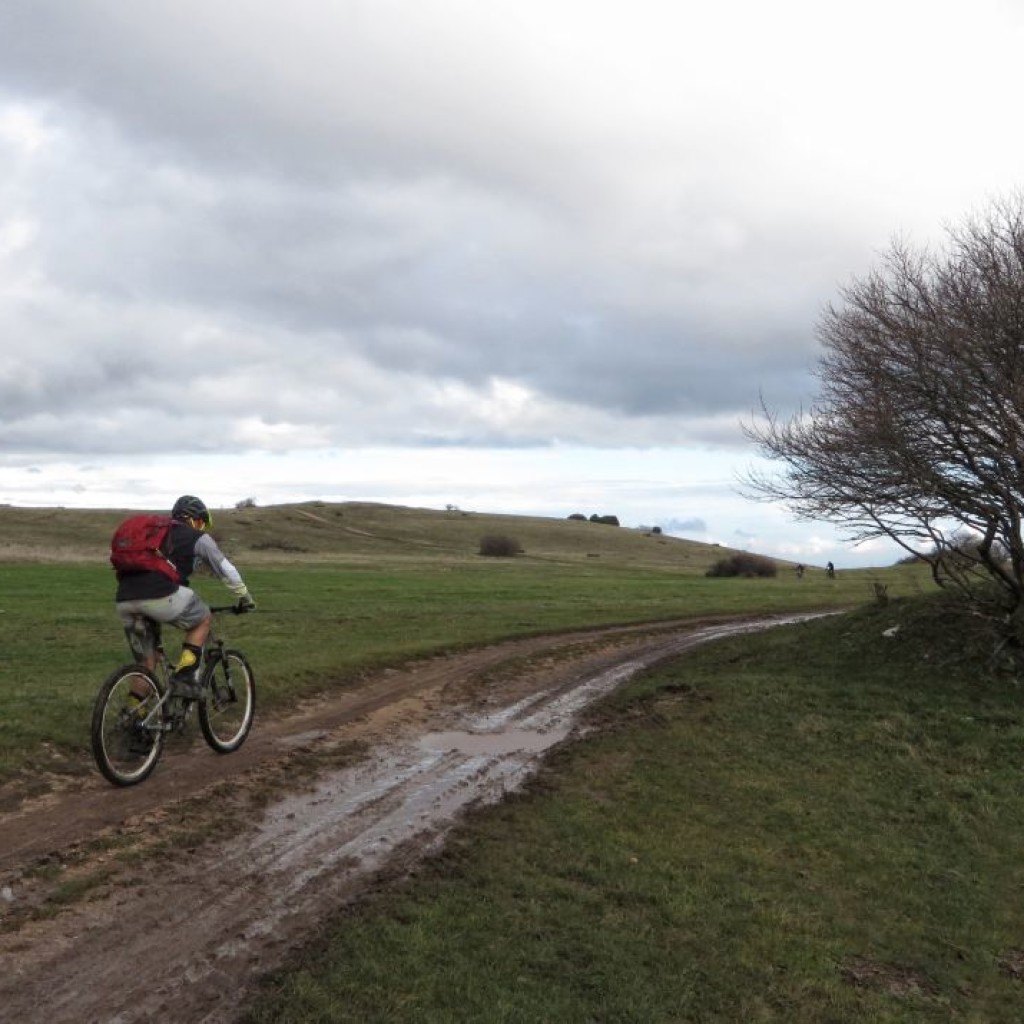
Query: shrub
{"type": "Point", "coordinates": [278, 545]}
{"type": "Point", "coordinates": [909, 560]}
{"type": "Point", "coordinates": [744, 564]}
{"type": "Point", "coordinates": [499, 546]}
{"type": "Point", "coordinates": [246, 503]}
{"type": "Point", "coordinates": [578, 516]}
{"type": "Point", "coordinates": [607, 520]}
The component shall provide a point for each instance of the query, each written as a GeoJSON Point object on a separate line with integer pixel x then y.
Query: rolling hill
{"type": "Point", "coordinates": [357, 531]}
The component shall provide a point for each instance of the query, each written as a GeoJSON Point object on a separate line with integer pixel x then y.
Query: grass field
{"type": "Point", "coordinates": [330, 607]}
{"type": "Point", "coordinates": [819, 824]}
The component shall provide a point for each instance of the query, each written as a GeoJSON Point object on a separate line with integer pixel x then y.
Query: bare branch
{"type": "Point", "coordinates": [918, 431]}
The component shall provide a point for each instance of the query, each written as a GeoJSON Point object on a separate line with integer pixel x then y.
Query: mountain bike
{"type": "Point", "coordinates": [135, 709]}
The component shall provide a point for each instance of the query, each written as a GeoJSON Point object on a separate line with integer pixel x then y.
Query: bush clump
{"type": "Point", "coordinates": [744, 564]}
{"type": "Point", "coordinates": [278, 545]}
{"type": "Point", "coordinates": [499, 546]}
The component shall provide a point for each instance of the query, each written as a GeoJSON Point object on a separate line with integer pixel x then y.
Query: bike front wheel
{"type": "Point", "coordinates": [127, 726]}
{"type": "Point", "coordinates": [229, 702]}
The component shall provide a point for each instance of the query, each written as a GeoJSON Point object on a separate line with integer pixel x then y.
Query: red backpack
{"type": "Point", "coordinates": [138, 546]}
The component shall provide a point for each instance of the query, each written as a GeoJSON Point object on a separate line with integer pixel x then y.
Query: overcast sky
{"type": "Point", "coordinates": [539, 256]}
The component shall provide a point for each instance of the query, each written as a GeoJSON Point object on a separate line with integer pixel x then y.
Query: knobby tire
{"type": "Point", "coordinates": [229, 703]}
{"type": "Point", "coordinates": [126, 751]}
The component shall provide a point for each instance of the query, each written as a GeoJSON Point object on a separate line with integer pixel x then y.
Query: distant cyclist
{"type": "Point", "coordinates": [154, 594]}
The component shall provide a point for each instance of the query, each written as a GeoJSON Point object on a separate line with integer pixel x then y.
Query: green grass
{"type": "Point", "coordinates": [343, 589]}
{"type": "Point", "coordinates": [818, 824]}
{"type": "Point", "coordinates": [319, 625]}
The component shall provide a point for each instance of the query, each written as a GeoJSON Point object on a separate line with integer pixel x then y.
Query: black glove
{"type": "Point", "coordinates": [245, 604]}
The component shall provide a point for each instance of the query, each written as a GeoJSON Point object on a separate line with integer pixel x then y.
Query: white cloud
{"type": "Point", "coordinates": [23, 129]}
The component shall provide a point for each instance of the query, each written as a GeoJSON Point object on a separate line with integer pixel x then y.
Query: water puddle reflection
{"type": "Point", "coordinates": [511, 741]}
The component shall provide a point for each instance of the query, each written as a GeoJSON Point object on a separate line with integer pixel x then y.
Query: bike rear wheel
{"type": "Point", "coordinates": [127, 726]}
{"type": "Point", "coordinates": [229, 701]}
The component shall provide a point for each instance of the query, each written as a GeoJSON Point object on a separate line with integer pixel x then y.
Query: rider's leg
{"type": "Point", "coordinates": [192, 646]}
{"type": "Point", "coordinates": [141, 634]}
{"type": "Point", "coordinates": [138, 689]}
{"type": "Point", "coordinates": [183, 609]}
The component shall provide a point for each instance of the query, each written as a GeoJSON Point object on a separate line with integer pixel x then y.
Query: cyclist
{"type": "Point", "coordinates": [157, 597]}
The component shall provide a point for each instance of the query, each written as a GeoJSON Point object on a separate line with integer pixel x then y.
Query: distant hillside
{"type": "Point", "coordinates": [320, 531]}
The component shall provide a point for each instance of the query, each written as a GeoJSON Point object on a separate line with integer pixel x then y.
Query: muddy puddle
{"type": "Point", "coordinates": [521, 740]}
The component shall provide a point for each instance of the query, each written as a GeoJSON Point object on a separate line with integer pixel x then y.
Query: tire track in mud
{"type": "Point", "coordinates": [183, 939]}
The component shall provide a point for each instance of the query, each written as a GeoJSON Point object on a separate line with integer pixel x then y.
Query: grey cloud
{"type": "Point", "coordinates": [401, 278]}
{"type": "Point", "coordinates": [340, 242]}
{"type": "Point", "coordinates": [310, 90]}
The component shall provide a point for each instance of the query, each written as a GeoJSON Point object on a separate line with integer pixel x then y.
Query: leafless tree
{"type": "Point", "coordinates": [918, 431]}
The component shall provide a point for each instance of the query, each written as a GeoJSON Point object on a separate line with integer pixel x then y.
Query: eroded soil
{"type": "Point", "coordinates": [166, 901]}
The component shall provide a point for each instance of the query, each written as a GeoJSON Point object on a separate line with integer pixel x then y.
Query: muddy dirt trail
{"type": "Point", "coordinates": [97, 924]}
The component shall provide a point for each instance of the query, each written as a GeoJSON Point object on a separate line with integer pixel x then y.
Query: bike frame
{"type": "Point", "coordinates": [175, 717]}
{"type": "Point", "coordinates": [127, 744]}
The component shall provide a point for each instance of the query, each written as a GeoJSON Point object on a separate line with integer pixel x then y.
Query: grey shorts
{"type": "Point", "coordinates": [184, 609]}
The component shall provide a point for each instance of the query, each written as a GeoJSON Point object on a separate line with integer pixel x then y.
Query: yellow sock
{"type": "Point", "coordinates": [187, 659]}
